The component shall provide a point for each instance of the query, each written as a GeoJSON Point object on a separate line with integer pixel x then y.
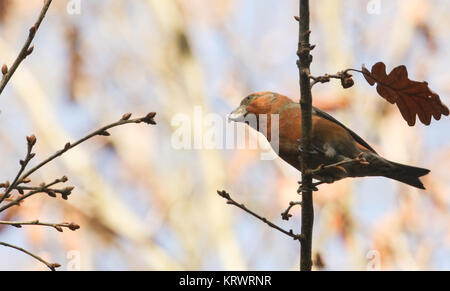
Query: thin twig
{"type": "Point", "coordinates": [286, 215]}
{"type": "Point", "coordinates": [50, 191]}
{"type": "Point", "coordinates": [22, 175]}
{"type": "Point", "coordinates": [41, 189]}
{"type": "Point", "coordinates": [26, 49]}
{"type": "Point", "coordinates": [31, 141]}
{"type": "Point", "coordinates": [358, 160]}
{"type": "Point", "coordinates": [21, 178]}
{"type": "Point", "coordinates": [316, 172]}
{"type": "Point", "coordinates": [51, 266]}
{"type": "Point", "coordinates": [230, 201]}
{"type": "Point", "coordinates": [344, 76]}
{"type": "Point", "coordinates": [46, 188]}
{"type": "Point", "coordinates": [149, 119]}
{"type": "Point", "coordinates": [325, 78]}
{"type": "Point", "coordinates": [58, 226]}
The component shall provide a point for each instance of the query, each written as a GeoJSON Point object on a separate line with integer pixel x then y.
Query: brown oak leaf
{"type": "Point", "coordinates": [412, 97]}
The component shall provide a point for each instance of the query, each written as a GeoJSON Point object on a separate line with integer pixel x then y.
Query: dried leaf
{"type": "Point", "coordinates": [412, 97]}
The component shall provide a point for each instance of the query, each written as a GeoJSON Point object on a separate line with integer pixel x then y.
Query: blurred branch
{"type": "Point", "coordinates": [26, 49]}
{"type": "Point", "coordinates": [51, 266]}
{"type": "Point", "coordinates": [318, 262]}
{"type": "Point", "coordinates": [230, 201]}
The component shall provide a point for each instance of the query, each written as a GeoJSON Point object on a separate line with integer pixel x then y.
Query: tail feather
{"type": "Point", "coordinates": [408, 175]}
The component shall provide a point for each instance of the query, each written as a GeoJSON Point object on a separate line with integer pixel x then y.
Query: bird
{"type": "Point", "coordinates": [332, 143]}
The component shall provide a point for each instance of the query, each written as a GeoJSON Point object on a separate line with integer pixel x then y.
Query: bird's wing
{"type": "Point", "coordinates": [327, 116]}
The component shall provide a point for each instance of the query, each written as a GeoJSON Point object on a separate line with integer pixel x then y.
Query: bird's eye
{"type": "Point", "coordinates": [246, 100]}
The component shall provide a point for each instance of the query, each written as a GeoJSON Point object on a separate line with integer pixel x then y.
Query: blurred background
{"type": "Point", "coordinates": [144, 205]}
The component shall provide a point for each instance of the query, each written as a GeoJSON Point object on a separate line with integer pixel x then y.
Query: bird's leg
{"type": "Point", "coordinates": [314, 188]}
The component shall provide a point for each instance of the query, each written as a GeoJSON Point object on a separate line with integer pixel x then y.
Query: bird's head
{"type": "Point", "coordinates": [254, 105]}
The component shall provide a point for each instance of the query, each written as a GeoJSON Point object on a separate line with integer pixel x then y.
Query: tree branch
{"type": "Point", "coordinates": [51, 266]}
{"type": "Point", "coordinates": [344, 76]}
{"type": "Point", "coordinates": [45, 188]}
{"type": "Point", "coordinates": [26, 49]}
{"type": "Point", "coordinates": [31, 141]}
{"type": "Point", "coordinates": [58, 226]}
{"type": "Point", "coordinates": [303, 63]}
{"type": "Point", "coordinates": [102, 132]}
{"type": "Point", "coordinates": [358, 160]}
{"type": "Point", "coordinates": [230, 201]}
{"type": "Point", "coordinates": [28, 191]}
{"type": "Point", "coordinates": [22, 175]}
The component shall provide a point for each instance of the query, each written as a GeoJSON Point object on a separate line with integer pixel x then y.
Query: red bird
{"type": "Point", "coordinates": [332, 142]}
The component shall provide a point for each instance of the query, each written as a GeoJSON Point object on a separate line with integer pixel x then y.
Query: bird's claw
{"type": "Point", "coordinates": [303, 188]}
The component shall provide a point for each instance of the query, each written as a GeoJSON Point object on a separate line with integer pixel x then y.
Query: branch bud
{"type": "Point", "coordinates": [31, 140]}
{"type": "Point", "coordinates": [4, 69]}
{"type": "Point", "coordinates": [30, 50]}
{"type": "Point", "coordinates": [73, 226]}
{"type": "Point", "coordinates": [32, 29]}
{"type": "Point", "coordinates": [347, 82]}
{"type": "Point", "coordinates": [126, 116]}
{"type": "Point", "coordinates": [149, 118]}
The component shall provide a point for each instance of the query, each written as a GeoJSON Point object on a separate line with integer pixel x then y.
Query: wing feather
{"type": "Point", "coordinates": [327, 116]}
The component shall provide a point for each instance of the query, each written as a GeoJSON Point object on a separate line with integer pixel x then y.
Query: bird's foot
{"type": "Point", "coordinates": [303, 188]}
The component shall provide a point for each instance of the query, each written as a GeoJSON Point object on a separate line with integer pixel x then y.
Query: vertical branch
{"type": "Point", "coordinates": [303, 64]}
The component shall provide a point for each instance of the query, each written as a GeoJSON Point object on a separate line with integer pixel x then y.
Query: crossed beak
{"type": "Point", "coordinates": [238, 115]}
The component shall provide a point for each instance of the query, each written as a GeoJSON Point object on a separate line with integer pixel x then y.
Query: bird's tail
{"type": "Point", "coordinates": [407, 174]}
